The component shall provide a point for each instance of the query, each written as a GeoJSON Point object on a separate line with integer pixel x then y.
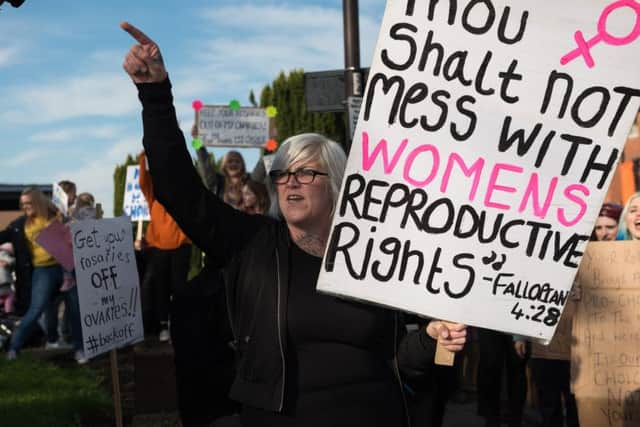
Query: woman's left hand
{"type": "Point", "coordinates": [451, 336]}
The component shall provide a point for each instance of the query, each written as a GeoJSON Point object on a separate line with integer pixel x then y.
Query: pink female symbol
{"type": "Point", "coordinates": [584, 46]}
{"type": "Point", "coordinates": [197, 105]}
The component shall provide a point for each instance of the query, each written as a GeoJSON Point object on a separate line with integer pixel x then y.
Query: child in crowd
{"type": "Point", "coordinates": [6, 277]}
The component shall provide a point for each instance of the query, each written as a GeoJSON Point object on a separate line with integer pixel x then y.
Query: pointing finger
{"type": "Point", "coordinates": [136, 33]}
{"type": "Point", "coordinates": [134, 66]}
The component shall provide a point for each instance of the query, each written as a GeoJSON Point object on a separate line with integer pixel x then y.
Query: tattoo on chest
{"type": "Point", "coordinates": [311, 244]}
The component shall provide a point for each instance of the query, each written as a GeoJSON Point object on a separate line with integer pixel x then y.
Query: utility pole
{"type": "Point", "coordinates": [352, 74]}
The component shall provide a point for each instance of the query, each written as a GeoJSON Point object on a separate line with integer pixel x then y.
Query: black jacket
{"type": "Point", "coordinates": [253, 252]}
{"type": "Point", "coordinates": [14, 233]}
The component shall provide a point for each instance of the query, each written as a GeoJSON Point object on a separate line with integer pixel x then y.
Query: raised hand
{"type": "Point", "coordinates": [143, 62]}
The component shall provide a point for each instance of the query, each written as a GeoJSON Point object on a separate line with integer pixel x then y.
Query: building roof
{"type": "Point", "coordinates": [10, 194]}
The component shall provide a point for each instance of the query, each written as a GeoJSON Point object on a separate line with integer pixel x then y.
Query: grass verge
{"type": "Point", "coordinates": [37, 393]}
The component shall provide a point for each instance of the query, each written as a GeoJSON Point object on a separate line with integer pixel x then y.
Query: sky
{"type": "Point", "coordinates": [69, 111]}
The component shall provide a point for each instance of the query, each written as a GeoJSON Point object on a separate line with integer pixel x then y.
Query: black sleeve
{"type": "Point", "coordinates": [416, 355]}
{"type": "Point", "coordinates": [213, 226]}
{"type": "Point", "coordinates": [5, 235]}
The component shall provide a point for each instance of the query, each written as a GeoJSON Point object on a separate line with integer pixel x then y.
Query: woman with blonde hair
{"type": "Point", "coordinates": [38, 269]}
{"type": "Point", "coordinates": [235, 176]}
{"type": "Point", "coordinates": [629, 225]}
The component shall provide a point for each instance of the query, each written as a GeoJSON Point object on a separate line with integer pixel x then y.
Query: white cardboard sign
{"type": "Point", "coordinates": [108, 288]}
{"type": "Point", "coordinates": [221, 126]}
{"type": "Point", "coordinates": [353, 110]}
{"type": "Point", "coordinates": [486, 141]}
{"type": "Point", "coordinates": [134, 204]}
{"type": "Point", "coordinates": [60, 199]}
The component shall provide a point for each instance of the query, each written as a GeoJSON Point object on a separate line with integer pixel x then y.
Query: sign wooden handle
{"type": "Point", "coordinates": [444, 357]}
{"type": "Point", "coordinates": [139, 231]}
{"type": "Point", "coordinates": [115, 380]}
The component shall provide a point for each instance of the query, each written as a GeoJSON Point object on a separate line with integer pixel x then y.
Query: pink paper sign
{"type": "Point", "coordinates": [56, 239]}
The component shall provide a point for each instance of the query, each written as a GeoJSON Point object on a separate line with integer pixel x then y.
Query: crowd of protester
{"type": "Point", "coordinates": [289, 358]}
{"type": "Point", "coordinates": [254, 343]}
{"type": "Point", "coordinates": [34, 284]}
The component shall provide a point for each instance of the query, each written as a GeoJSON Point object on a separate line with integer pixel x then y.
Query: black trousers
{"type": "Point", "coordinates": [200, 334]}
{"type": "Point", "coordinates": [497, 353]}
{"type": "Point", "coordinates": [552, 383]}
{"type": "Point", "coordinates": [428, 399]}
{"type": "Point", "coordinates": [165, 274]}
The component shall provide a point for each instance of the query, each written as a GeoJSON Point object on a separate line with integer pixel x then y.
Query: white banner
{"type": "Point", "coordinates": [134, 204]}
{"type": "Point", "coordinates": [221, 126]}
{"type": "Point", "coordinates": [487, 139]}
{"type": "Point", "coordinates": [60, 199]}
{"type": "Point", "coordinates": [108, 287]}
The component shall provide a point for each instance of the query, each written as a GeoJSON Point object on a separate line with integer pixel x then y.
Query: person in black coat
{"type": "Point", "coordinates": [14, 233]}
{"type": "Point", "coordinates": [303, 358]}
{"type": "Point", "coordinates": [200, 332]}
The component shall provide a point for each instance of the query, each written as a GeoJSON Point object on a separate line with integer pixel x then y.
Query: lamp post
{"type": "Point", "coordinates": [352, 74]}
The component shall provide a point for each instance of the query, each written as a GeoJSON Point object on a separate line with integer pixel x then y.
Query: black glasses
{"type": "Point", "coordinates": [303, 176]}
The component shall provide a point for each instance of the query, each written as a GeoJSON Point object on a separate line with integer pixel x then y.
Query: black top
{"type": "Point", "coordinates": [337, 372]}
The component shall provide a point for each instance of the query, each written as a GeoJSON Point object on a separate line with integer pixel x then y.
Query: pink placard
{"type": "Point", "coordinates": [56, 239]}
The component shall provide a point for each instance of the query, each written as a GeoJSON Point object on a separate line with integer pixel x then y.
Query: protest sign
{"type": "Point", "coordinates": [353, 109]}
{"type": "Point", "coordinates": [60, 199]}
{"type": "Point", "coordinates": [242, 127]}
{"type": "Point", "coordinates": [56, 240]}
{"type": "Point", "coordinates": [559, 347]}
{"type": "Point", "coordinates": [108, 288]}
{"type": "Point", "coordinates": [487, 137]}
{"type": "Point", "coordinates": [605, 356]}
{"type": "Point", "coordinates": [134, 204]}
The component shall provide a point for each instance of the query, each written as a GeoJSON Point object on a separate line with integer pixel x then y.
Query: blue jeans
{"type": "Point", "coordinates": [45, 282]}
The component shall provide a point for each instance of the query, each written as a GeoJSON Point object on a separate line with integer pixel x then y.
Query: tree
{"type": "Point", "coordinates": [252, 99]}
{"type": "Point", "coordinates": [286, 93]}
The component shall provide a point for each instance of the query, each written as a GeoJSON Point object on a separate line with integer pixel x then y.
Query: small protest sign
{"type": "Point", "coordinates": [487, 138]}
{"type": "Point", "coordinates": [56, 240]}
{"type": "Point", "coordinates": [353, 108]}
{"type": "Point", "coordinates": [108, 288]}
{"type": "Point", "coordinates": [134, 204]}
{"type": "Point", "coordinates": [60, 199]}
{"type": "Point", "coordinates": [605, 355]}
{"type": "Point", "coordinates": [239, 127]}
